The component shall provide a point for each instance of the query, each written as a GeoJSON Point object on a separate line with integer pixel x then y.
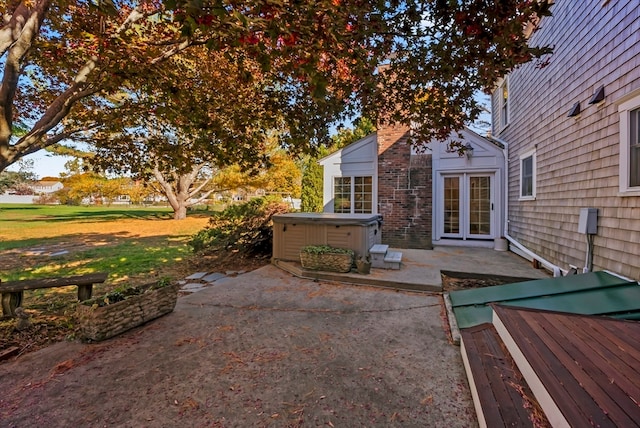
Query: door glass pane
{"type": "Point", "coordinates": [479, 205]}
{"type": "Point", "coordinates": [451, 205]}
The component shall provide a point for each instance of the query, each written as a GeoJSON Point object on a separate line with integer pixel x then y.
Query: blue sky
{"type": "Point", "coordinates": [45, 165]}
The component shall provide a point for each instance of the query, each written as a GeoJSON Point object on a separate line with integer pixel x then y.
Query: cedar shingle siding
{"type": "Point", "coordinates": [577, 158]}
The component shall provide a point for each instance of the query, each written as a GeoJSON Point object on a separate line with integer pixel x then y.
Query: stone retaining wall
{"type": "Point", "coordinates": [99, 323]}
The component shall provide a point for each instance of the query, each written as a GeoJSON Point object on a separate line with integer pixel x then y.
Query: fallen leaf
{"type": "Point", "coordinates": [427, 400]}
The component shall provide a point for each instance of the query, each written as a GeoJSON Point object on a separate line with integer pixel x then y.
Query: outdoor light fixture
{"type": "Point", "coordinates": [468, 150]}
{"type": "Point", "coordinates": [575, 110]}
{"type": "Point", "coordinates": [598, 95]}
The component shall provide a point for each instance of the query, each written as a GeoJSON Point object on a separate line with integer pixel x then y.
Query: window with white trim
{"type": "Point", "coordinates": [528, 175]}
{"type": "Point", "coordinates": [501, 106]}
{"type": "Point", "coordinates": [630, 145]}
{"type": "Point", "coordinates": [353, 195]}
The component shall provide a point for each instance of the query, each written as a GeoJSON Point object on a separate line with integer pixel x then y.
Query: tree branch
{"type": "Point", "coordinates": [15, 41]}
{"type": "Point", "coordinates": [20, 19]}
{"type": "Point", "coordinates": [200, 187]}
{"type": "Point", "coordinates": [203, 197]}
{"type": "Point", "coordinates": [17, 38]}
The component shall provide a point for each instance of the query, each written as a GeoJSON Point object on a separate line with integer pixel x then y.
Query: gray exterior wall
{"type": "Point", "coordinates": [578, 159]}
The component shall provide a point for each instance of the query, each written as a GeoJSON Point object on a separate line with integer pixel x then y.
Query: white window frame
{"type": "Point", "coordinates": [528, 154]}
{"type": "Point", "coordinates": [352, 194]}
{"type": "Point", "coordinates": [625, 108]}
{"type": "Point", "coordinates": [502, 123]}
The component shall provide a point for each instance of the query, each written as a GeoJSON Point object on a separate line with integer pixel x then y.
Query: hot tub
{"type": "Point", "coordinates": [293, 231]}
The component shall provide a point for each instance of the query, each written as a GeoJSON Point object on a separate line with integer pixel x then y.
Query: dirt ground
{"type": "Point", "coordinates": [460, 281]}
{"type": "Point", "coordinates": [264, 349]}
{"type": "Point", "coordinates": [52, 314]}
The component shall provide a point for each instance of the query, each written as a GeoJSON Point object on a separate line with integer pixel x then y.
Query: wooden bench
{"type": "Point", "coordinates": [12, 291]}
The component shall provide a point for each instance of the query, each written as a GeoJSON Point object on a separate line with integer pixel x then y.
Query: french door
{"type": "Point", "coordinates": [467, 206]}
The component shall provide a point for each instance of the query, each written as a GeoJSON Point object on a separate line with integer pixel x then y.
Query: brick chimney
{"type": "Point", "coordinates": [404, 190]}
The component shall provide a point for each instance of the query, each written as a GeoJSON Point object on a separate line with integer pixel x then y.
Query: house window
{"type": "Point", "coordinates": [630, 145]}
{"type": "Point", "coordinates": [342, 195]}
{"type": "Point", "coordinates": [634, 148]}
{"type": "Point", "coordinates": [353, 195]}
{"type": "Point", "coordinates": [501, 106]}
{"type": "Point", "coordinates": [528, 175]}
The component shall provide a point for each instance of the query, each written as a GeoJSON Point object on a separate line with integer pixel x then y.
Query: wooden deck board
{"type": "Point", "coordinates": [583, 365]}
{"type": "Point", "coordinates": [503, 394]}
{"type": "Point", "coordinates": [614, 368]}
{"type": "Point", "coordinates": [589, 365]}
{"type": "Point", "coordinates": [552, 369]}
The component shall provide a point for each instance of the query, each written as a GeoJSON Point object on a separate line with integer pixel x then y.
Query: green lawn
{"type": "Point", "coordinates": [129, 243]}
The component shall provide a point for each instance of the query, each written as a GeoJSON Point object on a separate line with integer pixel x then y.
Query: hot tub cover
{"type": "Point", "coordinates": [328, 218]}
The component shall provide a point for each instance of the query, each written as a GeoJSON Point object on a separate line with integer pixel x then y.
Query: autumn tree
{"type": "Point", "coordinates": [57, 54]}
{"type": "Point", "coordinates": [281, 177]}
{"type": "Point", "coordinates": [18, 181]}
{"type": "Point", "coordinates": [81, 187]}
{"type": "Point", "coordinates": [312, 182]}
{"type": "Point", "coordinates": [181, 122]}
{"type": "Point", "coordinates": [138, 191]}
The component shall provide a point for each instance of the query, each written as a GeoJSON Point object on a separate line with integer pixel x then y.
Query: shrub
{"type": "Point", "coordinates": [246, 228]}
{"type": "Point", "coordinates": [46, 199]}
{"type": "Point", "coordinates": [325, 249]}
{"type": "Point", "coordinates": [311, 199]}
{"type": "Point", "coordinates": [124, 291]}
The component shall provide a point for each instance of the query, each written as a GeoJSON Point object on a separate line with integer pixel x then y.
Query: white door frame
{"type": "Point", "coordinates": [464, 232]}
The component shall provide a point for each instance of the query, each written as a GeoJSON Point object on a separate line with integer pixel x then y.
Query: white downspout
{"type": "Point", "coordinates": [547, 264]}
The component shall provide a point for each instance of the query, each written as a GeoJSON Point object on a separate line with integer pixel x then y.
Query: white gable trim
{"type": "Point", "coordinates": [487, 158]}
{"type": "Point", "coordinates": [358, 159]}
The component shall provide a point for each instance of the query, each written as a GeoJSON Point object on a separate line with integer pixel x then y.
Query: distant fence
{"type": "Point", "coordinates": [17, 199]}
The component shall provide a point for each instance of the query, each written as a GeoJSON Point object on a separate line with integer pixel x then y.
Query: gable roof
{"type": "Point", "coordinates": [349, 149]}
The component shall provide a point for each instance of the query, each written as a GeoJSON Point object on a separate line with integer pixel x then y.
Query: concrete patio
{"type": "Point", "coordinates": [420, 270]}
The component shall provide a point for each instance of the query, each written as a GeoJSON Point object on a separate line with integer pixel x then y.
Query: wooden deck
{"type": "Point", "coordinates": [584, 370]}
{"type": "Point", "coordinates": [501, 396]}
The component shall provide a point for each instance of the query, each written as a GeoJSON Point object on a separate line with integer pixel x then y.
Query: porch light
{"type": "Point", "coordinates": [468, 150]}
{"type": "Point", "coordinates": [598, 95]}
{"type": "Point", "coordinates": [575, 110]}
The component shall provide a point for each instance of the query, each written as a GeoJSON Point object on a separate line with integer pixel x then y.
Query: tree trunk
{"type": "Point", "coordinates": [180, 212]}
{"type": "Point", "coordinates": [177, 191]}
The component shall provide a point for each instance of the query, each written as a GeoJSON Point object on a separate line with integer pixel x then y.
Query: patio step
{"type": "Point", "coordinates": [382, 258]}
{"type": "Point", "coordinates": [392, 260]}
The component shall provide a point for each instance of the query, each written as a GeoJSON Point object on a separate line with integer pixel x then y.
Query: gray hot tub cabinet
{"type": "Point", "coordinates": [293, 231]}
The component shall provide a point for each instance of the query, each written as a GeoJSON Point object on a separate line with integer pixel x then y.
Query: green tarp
{"type": "Point", "coordinates": [593, 293]}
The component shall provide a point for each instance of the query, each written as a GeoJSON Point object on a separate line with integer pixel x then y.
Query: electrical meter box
{"type": "Point", "coordinates": [588, 222]}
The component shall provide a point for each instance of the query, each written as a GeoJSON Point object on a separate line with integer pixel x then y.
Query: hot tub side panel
{"type": "Point", "coordinates": [289, 237]}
